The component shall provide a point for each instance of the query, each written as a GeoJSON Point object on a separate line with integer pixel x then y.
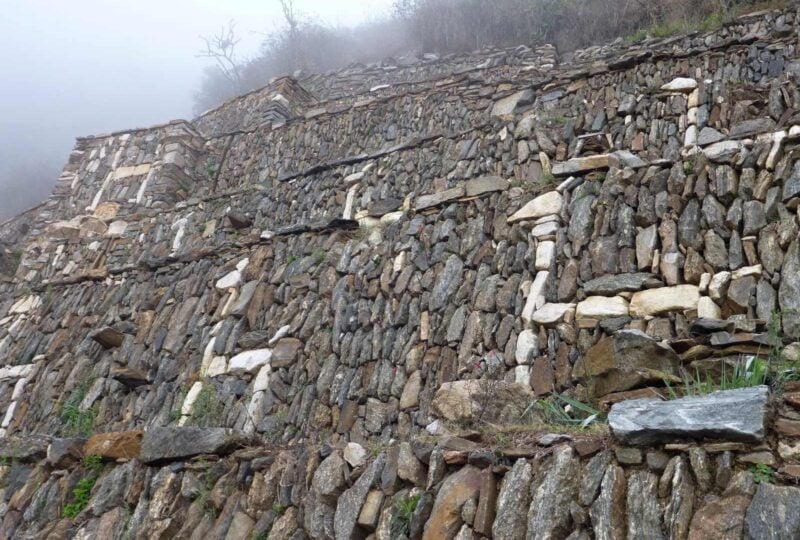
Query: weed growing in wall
{"type": "Point", "coordinates": [74, 421]}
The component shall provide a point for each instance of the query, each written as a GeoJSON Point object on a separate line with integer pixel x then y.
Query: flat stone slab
{"type": "Point", "coordinates": [732, 415]}
{"type": "Point", "coordinates": [173, 443]}
{"type": "Point", "coordinates": [435, 199]}
{"type": "Point", "coordinates": [610, 285]}
{"type": "Point", "coordinates": [580, 165]}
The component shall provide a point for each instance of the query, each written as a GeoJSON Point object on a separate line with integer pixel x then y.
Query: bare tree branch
{"type": "Point", "coordinates": [221, 48]}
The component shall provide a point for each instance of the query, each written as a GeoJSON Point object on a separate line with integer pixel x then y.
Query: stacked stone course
{"type": "Point", "coordinates": [275, 321]}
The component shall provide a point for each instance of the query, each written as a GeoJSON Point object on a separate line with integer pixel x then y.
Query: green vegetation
{"type": "Point", "coordinates": [208, 408]}
{"type": "Point", "coordinates": [205, 485]}
{"type": "Point", "coordinates": [560, 410]}
{"type": "Point", "coordinates": [746, 373]}
{"type": "Point", "coordinates": [80, 497]}
{"type": "Point", "coordinates": [279, 509]}
{"type": "Point", "coordinates": [83, 490]}
{"type": "Point", "coordinates": [210, 170]}
{"type": "Point", "coordinates": [399, 525]}
{"type": "Point", "coordinates": [763, 474]}
{"type": "Point", "coordinates": [76, 422]}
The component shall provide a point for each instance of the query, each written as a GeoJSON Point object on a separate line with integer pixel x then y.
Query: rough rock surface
{"type": "Point", "coordinates": [736, 415]}
{"type": "Point", "coordinates": [318, 263]}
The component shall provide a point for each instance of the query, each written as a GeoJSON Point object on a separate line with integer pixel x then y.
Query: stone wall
{"type": "Point", "coordinates": [327, 310]}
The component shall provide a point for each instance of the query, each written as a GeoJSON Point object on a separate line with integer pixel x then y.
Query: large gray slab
{"type": "Point", "coordinates": [172, 443]}
{"type": "Point", "coordinates": [736, 415]}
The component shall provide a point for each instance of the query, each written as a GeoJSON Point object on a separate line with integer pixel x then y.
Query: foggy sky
{"type": "Point", "coordinates": [79, 67]}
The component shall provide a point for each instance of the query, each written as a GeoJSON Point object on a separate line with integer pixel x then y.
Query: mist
{"type": "Point", "coordinates": [86, 67]}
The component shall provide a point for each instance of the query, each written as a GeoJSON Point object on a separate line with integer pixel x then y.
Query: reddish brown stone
{"type": "Point", "coordinates": [792, 399]}
{"type": "Point", "coordinates": [445, 519]}
{"type": "Point", "coordinates": [542, 379]}
{"type": "Point", "coordinates": [608, 400]}
{"type": "Point", "coordinates": [720, 519]}
{"type": "Point", "coordinates": [347, 416]}
{"type": "Point", "coordinates": [790, 428]}
{"type": "Point", "coordinates": [588, 447]}
{"type": "Point", "coordinates": [114, 445]}
{"type": "Point", "coordinates": [455, 457]}
{"type": "Point", "coordinates": [484, 516]}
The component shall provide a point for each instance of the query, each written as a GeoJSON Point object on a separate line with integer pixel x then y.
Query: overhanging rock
{"type": "Point", "coordinates": [169, 443]}
{"type": "Point", "coordinates": [736, 415]}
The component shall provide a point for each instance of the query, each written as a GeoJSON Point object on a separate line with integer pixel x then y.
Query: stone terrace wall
{"type": "Point", "coordinates": [284, 327]}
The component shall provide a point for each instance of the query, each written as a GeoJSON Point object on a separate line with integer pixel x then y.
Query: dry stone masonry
{"type": "Point", "coordinates": [330, 307]}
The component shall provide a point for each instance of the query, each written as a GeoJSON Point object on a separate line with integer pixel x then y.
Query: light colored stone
{"type": "Point", "coordinates": [543, 205]}
{"type": "Point", "coordinates": [527, 347]}
{"type": "Point", "coordinates": [602, 307]}
{"type": "Point", "coordinates": [576, 166]}
{"type": "Point", "coordinates": [680, 84]}
{"type": "Point", "coordinates": [355, 454]}
{"type": "Point", "coordinates": [664, 300]}
{"type": "Point", "coordinates": [229, 280]}
{"type": "Point", "coordinates": [707, 309]}
{"type": "Point", "coordinates": [535, 298]}
{"type": "Point", "coordinates": [550, 314]}
{"type": "Point", "coordinates": [249, 361]}
{"type": "Point", "coordinates": [719, 285]}
{"type": "Point", "coordinates": [545, 255]}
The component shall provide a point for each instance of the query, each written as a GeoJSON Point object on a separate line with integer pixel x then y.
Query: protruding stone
{"type": "Point", "coordinates": [680, 84]}
{"type": "Point", "coordinates": [543, 205]}
{"type": "Point", "coordinates": [664, 300]}
{"type": "Point", "coordinates": [735, 415]}
{"type": "Point", "coordinates": [602, 307]}
{"type": "Point", "coordinates": [626, 360]}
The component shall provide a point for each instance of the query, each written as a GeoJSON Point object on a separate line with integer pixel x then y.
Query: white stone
{"type": "Point", "coordinates": [549, 228]}
{"type": "Point", "coordinates": [191, 397]}
{"type": "Point", "coordinates": [229, 280]}
{"type": "Point", "coordinates": [355, 454]}
{"type": "Point", "coordinates": [522, 375]}
{"type": "Point", "coordinates": [117, 228]}
{"type": "Point", "coordinates": [282, 332]}
{"type": "Point", "coordinates": [527, 345]}
{"type": "Point", "coordinates": [15, 372]}
{"type": "Point", "coordinates": [218, 366]}
{"type": "Point", "coordinates": [19, 388]}
{"type": "Point", "coordinates": [348, 205]}
{"type": "Point", "coordinates": [775, 152]}
{"type": "Point", "coordinates": [545, 255]}
{"type": "Point", "coordinates": [664, 300]}
{"type": "Point", "coordinates": [680, 84]}
{"type": "Point", "coordinates": [261, 382]}
{"type": "Point", "coordinates": [747, 271]}
{"type": "Point", "coordinates": [255, 411]}
{"type": "Point", "coordinates": [543, 205]}
{"type": "Point", "coordinates": [208, 355]}
{"type": "Point", "coordinates": [24, 305]}
{"type": "Point", "coordinates": [719, 285]}
{"type": "Point", "coordinates": [550, 314]}
{"type": "Point", "coordinates": [249, 361]}
{"type": "Point", "coordinates": [9, 415]}
{"type": "Point", "coordinates": [707, 309]}
{"type": "Point", "coordinates": [690, 137]}
{"type": "Point", "coordinates": [723, 151]}
{"type": "Point", "coordinates": [241, 265]}
{"type": "Point", "coordinates": [602, 307]}
{"type": "Point", "coordinates": [705, 280]}
{"type": "Point", "coordinates": [535, 297]}
{"type": "Point", "coordinates": [233, 294]}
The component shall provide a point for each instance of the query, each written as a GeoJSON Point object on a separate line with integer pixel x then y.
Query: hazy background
{"type": "Point", "coordinates": [80, 67]}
